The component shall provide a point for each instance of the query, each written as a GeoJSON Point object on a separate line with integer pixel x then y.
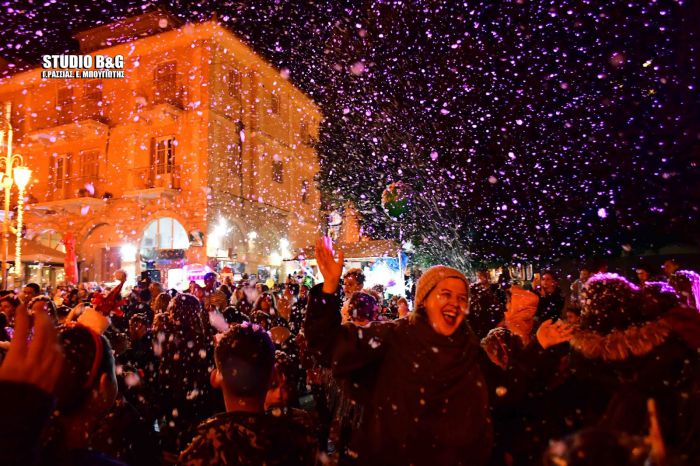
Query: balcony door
{"type": "Point", "coordinates": [89, 165]}
{"type": "Point", "coordinates": [165, 83]}
{"type": "Point", "coordinates": [89, 171]}
{"type": "Point", "coordinates": [64, 105]}
{"type": "Point", "coordinates": [60, 176]}
{"type": "Point", "coordinates": [163, 155]}
{"type": "Point", "coordinates": [92, 100]}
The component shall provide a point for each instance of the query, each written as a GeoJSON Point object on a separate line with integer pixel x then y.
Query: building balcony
{"type": "Point", "coordinates": [161, 112]}
{"type": "Point", "coordinates": [72, 127]}
{"type": "Point", "coordinates": [154, 182]}
{"type": "Point", "coordinates": [74, 195]}
{"type": "Point", "coordinates": [164, 107]}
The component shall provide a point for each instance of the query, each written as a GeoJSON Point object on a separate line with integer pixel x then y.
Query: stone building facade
{"type": "Point", "coordinates": [202, 154]}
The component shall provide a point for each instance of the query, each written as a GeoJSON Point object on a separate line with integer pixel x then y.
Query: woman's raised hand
{"type": "Point", "coordinates": [552, 333]}
{"type": "Point", "coordinates": [331, 268]}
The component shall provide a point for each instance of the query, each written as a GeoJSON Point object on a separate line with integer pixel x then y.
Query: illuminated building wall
{"type": "Point", "coordinates": [201, 132]}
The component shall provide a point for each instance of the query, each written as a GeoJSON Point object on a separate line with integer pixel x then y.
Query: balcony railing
{"type": "Point", "coordinates": [171, 96]}
{"type": "Point", "coordinates": [157, 176]}
{"type": "Point", "coordinates": [76, 187]}
{"type": "Point", "coordinates": [87, 111]}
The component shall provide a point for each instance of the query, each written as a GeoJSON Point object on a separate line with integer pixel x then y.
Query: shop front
{"type": "Point", "coordinates": [40, 264]}
{"type": "Point", "coordinates": [163, 248]}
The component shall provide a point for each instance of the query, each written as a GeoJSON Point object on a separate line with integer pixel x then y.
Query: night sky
{"type": "Point", "coordinates": [527, 130]}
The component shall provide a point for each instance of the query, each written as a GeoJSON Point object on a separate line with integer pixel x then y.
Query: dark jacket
{"type": "Point", "coordinates": [486, 309]}
{"type": "Point", "coordinates": [244, 307]}
{"type": "Point", "coordinates": [651, 360]}
{"type": "Point", "coordinates": [25, 412]}
{"type": "Point", "coordinates": [274, 438]}
{"type": "Point", "coordinates": [182, 344]}
{"type": "Point", "coordinates": [427, 400]}
{"type": "Point", "coordinates": [126, 436]}
{"type": "Point", "coordinates": [550, 306]}
{"type": "Point", "coordinates": [296, 318]}
{"type": "Point", "coordinates": [534, 399]}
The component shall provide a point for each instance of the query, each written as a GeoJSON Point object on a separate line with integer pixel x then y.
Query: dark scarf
{"type": "Point", "coordinates": [451, 354]}
{"type": "Point", "coordinates": [446, 390]}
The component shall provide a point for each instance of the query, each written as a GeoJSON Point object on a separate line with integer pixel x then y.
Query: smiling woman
{"type": "Point", "coordinates": [442, 395]}
{"type": "Point", "coordinates": [443, 296]}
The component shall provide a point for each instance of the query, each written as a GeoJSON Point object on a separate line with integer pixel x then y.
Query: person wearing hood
{"type": "Point", "coordinates": [439, 412]}
{"type": "Point", "coordinates": [641, 344]}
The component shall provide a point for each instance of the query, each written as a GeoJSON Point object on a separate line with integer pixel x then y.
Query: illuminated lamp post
{"type": "Point", "coordinates": [13, 164]}
{"type": "Point", "coordinates": [22, 175]}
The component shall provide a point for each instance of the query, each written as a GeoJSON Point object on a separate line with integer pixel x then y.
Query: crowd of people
{"type": "Point", "coordinates": [490, 372]}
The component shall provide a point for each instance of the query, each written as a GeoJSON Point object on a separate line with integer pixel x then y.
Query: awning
{"type": "Point", "coordinates": [361, 250]}
{"type": "Point", "coordinates": [32, 252]}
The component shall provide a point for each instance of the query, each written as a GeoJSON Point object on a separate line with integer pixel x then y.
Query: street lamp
{"type": "Point", "coordinates": [15, 173]}
{"type": "Point", "coordinates": [22, 175]}
{"type": "Point", "coordinates": [21, 179]}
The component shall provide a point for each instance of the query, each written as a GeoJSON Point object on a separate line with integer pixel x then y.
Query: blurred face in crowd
{"type": "Point", "coordinates": [572, 318]}
{"type": "Point", "coordinates": [483, 278]}
{"type": "Point", "coordinates": [82, 292]}
{"type": "Point", "coordinates": [584, 275]}
{"type": "Point", "coordinates": [403, 309]}
{"type": "Point", "coordinates": [642, 275]}
{"type": "Point", "coordinates": [266, 303]}
{"type": "Point", "coordinates": [350, 285]}
{"type": "Point", "coordinates": [155, 289]}
{"type": "Point", "coordinates": [8, 309]}
{"type": "Point", "coordinates": [548, 283]}
{"type": "Point", "coordinates": [303, 292]}
{"type": "Point", "coordinates": [198, 292]}
{"type": "Point", "coordinates": [670, 267]}
{"type": "Point", "coordinates": [210, 282]}
{"type": "Point", "coordinates": [278, 394]}
{"type": "Point", "coordinates": [28, 293]}
{"type": "Point", "coordinates": [446, 305]}
{"type": "Point", "coordinates": [137, 329]}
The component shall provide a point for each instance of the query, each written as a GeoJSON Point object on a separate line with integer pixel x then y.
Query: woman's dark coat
{"type": "Point", "coordinates": [426, 398]}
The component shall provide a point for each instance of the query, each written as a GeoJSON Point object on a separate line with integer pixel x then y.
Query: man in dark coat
{"type": "Point", "coordinates": [245, 434]}
{"type": "Point", "coordinates": [296, 319]}
{"type": "Point", "coordinates": [551, 302]}
{"type": "Point", "coordinates": [486, 309]}
{"type": "Point", "coordinates": [426, 397]}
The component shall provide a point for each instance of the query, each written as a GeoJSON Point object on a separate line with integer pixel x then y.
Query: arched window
{"type": "Point", "coordinates": [51, 239]}
{"type": "Point", "coordinates": [164, 233]}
